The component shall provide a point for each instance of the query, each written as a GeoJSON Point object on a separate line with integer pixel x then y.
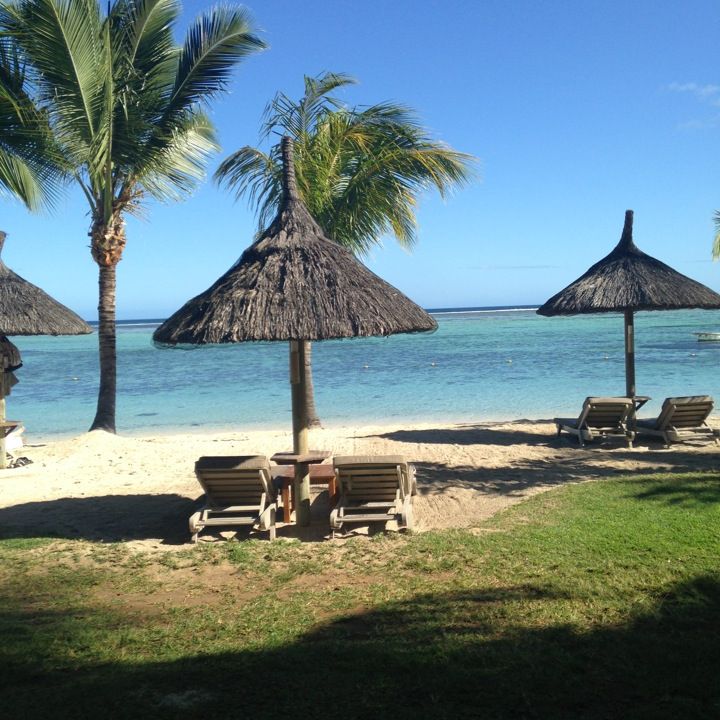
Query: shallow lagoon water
{"type": "Point", "coordinates": [479, 365]}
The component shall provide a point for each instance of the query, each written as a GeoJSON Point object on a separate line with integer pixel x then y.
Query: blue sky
{"type": "Point", "coordinates": [577, 111]}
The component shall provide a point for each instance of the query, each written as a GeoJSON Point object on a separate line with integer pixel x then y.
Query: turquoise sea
{"type": "Point", "coordinates": [481, 364]}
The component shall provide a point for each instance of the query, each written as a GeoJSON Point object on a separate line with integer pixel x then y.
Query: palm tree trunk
{"type": "Point", "coordinates": [311, 411]}
{"type": "Point", "coordinates": [108, 242]}
{"type": "Point", "coordinates": [105, 414]}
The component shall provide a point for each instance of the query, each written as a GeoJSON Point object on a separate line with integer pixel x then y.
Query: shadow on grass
{"type": "Point", "coordinates": [458, 655]}
{"type": "Point", "coordinates": [684, 492]}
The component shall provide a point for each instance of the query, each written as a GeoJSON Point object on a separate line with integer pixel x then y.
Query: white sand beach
{"type": "Point", "coordinates": [141, 490]}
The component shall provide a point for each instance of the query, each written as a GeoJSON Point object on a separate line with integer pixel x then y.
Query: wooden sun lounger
{"type": "Point", "coordinates": [238, 491]}
{"type": "Point", "coordinates": [373, 489]}
{"type": "Point", "coordinates": [681, 418]}
{"type": "Point", "coordinates": [600, 416]}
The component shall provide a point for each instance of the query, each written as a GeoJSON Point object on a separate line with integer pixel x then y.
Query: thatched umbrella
{"type": "Point", "coordinates": [625, 281]}
{"type": "Point", "coordinates": [25, 309]}
{"type": "Point", "coordinates": [294, 284]}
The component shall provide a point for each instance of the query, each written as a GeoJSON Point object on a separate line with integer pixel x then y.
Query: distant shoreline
{"type": "Point", "coordinates": [149, 322]}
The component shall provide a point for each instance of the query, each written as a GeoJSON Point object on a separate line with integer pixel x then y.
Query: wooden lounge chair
{"type": "Point", "coordinates": [600, 416]}
{"type": "Point", "coordinates": [238, 491]}
{"type": "Point", "coordinates": [375, 488]}
{"type": "Point", "coordinates": [680, 418]}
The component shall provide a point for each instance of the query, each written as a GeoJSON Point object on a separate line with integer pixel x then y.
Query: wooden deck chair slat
{"type": "Point", "coordinates": [374, 505]}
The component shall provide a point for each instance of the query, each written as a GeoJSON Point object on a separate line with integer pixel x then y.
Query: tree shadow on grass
{"type": "Point", "coordinates": [683, 492]}
{"type": "Point", "coordinates": [455, 655]}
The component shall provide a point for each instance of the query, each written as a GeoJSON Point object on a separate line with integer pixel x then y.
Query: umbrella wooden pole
{"type": "Point", "coordinates": [629, 354]}
{"type": "Point", "coordinates": [301, 488]}
{"type": "Point", "coordinates": [3, 462]}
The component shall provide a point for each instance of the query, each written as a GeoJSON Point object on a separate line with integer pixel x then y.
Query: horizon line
{"type": "Point", "coordinates": [432, 311]}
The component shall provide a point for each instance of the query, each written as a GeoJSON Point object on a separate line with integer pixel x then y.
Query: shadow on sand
{"type": "Point", "coordinates": [521, 475]}
{"type": "Point", "coordinates": [511, 433]}
{"type": "Point", "coordinates": [517, 432]}
{"type": "Point", "coordinates": [106, 518]}
{"type": "Point", "coordinates": [122, 518]}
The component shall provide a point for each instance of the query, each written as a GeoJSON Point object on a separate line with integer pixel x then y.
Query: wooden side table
{"type": "Point", "coordinates": [319, 475]}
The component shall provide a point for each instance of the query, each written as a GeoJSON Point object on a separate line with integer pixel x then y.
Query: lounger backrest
{"type": "Point", "coordinates": [234, 480]}
{"type": "Point", "coordinates": [684, 412]}
{"type": "Point", "coordinates": [371, 478]}
{"type": "Point", "coordinates": [600, 412]}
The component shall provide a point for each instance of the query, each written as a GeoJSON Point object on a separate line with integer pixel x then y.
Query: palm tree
{"type": "Point", "coordinates": [125, 104]}
{"type": "Point", "coordinates": [716, 242]}
{"type": "Point", "coordinates": [358, 170]}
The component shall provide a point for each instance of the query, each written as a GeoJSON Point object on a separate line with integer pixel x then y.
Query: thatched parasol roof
{"type": "Point", "coordinates": [294, 284]}
{"type": "Point", "coordinates": [9, 355]}
{"type": "Point", "coordinates": [25, 309]}
{"type": "Point", "coordinates": [628, 279]}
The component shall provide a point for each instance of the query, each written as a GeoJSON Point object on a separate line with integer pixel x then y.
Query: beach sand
{"type": "Point", "coordinates": [141, 490]}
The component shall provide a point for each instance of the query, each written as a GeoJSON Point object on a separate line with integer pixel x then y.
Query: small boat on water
{"type": "Point", "coordinates": [708, 336]}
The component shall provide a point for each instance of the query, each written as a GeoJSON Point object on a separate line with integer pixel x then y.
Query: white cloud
{"type": "Point", "coordinates": [712, 122]}
{"type": "Point", "coordinates": [707, 93]}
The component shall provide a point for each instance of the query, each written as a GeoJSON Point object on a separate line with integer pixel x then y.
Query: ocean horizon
{"type": "Point", "coordinates": [482, 364]}
{"type": "Point", "coordinates": [154, 321]}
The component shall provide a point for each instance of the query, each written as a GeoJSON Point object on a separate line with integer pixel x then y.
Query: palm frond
{"type": "Point", "coordinates": [32, 164]}
{"type": "Point", "coordinates": [144, 70]}
{"type": "Point", "coordinates": [214, 45]}
{"type": "Point", "coordinates": [19, 179]}
{"type": "Point", "coordinates": [176, 168]}
{"type": "Point", "coordinates": [297, 118]}
{"type": "Point", "coordinates": [62, 40]}
{"type": "Point", "coordinates": [253, 174]}
{"type": "Point", "coordinates": [716, 241]}
{"type": "Point", "coordinates": [142, 33]}
{"type": "Point", "coordinates": [144, 64]}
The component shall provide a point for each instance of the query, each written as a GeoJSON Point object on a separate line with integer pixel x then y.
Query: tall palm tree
{"type": "Point", "coordinates": [125, 104]}
{"type": "Point", "coordinates": [358, 170]}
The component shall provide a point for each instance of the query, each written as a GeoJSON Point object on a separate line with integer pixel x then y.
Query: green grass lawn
{"type": "Point", "coordinates": [599, 600]}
